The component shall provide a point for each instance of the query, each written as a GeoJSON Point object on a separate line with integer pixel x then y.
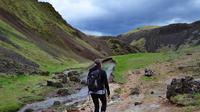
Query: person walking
{"type": "Point", "coordinates": [98, 86]}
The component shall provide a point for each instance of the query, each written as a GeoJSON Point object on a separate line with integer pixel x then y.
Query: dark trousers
{"type": "Point", "coordinates": [95, 98]}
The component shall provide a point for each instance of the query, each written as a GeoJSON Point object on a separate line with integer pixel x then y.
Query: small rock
{"type": "Point", "coordinates": [189, 54]}
{"type": "Point", "coordinates": [45, 73]}
{"type": "Point", "coordinates": [29, 110]}
{"type": "Point", "coordinates": [135, 91]}
{"type": "Point", "coordinates": [152, 92]}
{"type": "Point", "coordinates": [82, 109]}
{"type": "Point", "coordinates": [148, 73]}
{"type": "Point", "coordinates": [63, 92]}
{"type": "Point", "coordinates": [73, 73]}
{"type": "Point", "coordinates": [137, 103]}
{"type": "Point", "coordinates": [74, 78]}
{"type": "Point", "coordinates": [60, 75]}
{"type": "Point", "coordinates": [84, 82]}
{"type": "Point", "coordinates": [56, 103]}
{"type": "Point", "coordinates": [181, 67]}
{"type": "Point", "coordinates": [137, 72]}
{"type": "Point", "coordinates": [65, 80]}
{"type": "Point", "coordinates": [54, 84]}
{"type": "Point", "coordinates": [115, 97]}
{"type": "Point", "coordinates": [73, 110]}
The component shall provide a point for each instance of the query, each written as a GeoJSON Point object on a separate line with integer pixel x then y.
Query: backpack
{"type": "Point", "coordinates": [94, 81]}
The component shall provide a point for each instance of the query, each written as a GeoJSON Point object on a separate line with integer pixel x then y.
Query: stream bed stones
{"type": "Point", "coordinates": [53, 83]}
{"type": "Point", "coordinates": [63, 92]}
{"type": "Point", "coordinates": [67, 82]}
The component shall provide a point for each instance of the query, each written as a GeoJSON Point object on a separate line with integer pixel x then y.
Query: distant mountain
{"type": "Point", "coordinates": [170, 37]}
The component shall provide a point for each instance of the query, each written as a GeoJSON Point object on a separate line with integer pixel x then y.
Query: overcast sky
{"type": "Point", "coordinates": [113, 17]}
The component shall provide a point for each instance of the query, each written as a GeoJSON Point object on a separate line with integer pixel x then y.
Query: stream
{"type": "Point", "coordinates": [81, 95]}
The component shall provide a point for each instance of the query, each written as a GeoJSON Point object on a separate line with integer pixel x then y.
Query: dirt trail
{"type": "Point", "coordinates": [152, 92]}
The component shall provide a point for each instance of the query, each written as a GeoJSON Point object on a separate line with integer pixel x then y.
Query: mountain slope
{"type": "Point", "coordinates": [35, 31]}
{"type": "Point", "coordinates": [170, 37]}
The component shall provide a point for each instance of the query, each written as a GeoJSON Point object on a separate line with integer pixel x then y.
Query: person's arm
{"type": "Point", "coordinates": [106, 83]}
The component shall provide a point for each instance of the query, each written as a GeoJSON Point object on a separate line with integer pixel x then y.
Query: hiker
{"type": "Point", "coordinates": [98, 86]}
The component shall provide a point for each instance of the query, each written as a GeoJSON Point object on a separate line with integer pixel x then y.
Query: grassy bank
{"type": "Point", "coordinates": [136, 61]}
{"type": "Point", "coordinates": [18, 90]}
{"type": "Point", "coordinates": [15, 91]}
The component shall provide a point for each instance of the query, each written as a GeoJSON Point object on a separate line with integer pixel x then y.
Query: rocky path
{"type": "Point", "coordinates": [139, 94]}
{"type": "Point", "coordinates": [69, 100]}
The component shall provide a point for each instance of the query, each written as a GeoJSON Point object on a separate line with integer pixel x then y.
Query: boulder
{"type": "Point", "coordinates": [63, 92]}
{"type": "Point", "coordinates": [185, 85]}
{"type": "Point", "coordinates": [54, 84]}
{"type": "Point", "coordinates": [65, 80]}
{"type": "Point", "coordinates": [148, 73]}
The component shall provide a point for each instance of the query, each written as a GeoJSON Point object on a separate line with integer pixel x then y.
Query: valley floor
{"type": "Point", "coordinates": [152, 90]}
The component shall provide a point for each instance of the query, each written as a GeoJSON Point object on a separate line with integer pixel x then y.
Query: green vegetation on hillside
{"type": "Point", "coordinates": [140, 44]}
{"type": "Point", "coordinates": [135, 61]}
{"type": "Point", "coordinates": [32, 14]}
{"type": "Point", "coordinates": [140, 29]}
{"type": "Point", "coordinates": [46, 29]}
{"type": "Point", "coordinates": [29, 50]}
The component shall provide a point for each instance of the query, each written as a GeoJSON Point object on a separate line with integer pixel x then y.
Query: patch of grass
{"type": "Point", "coordinates": [18, 90]}
{"type": "Point", "coordinates": [140, 29]}
{"type": "Point", "coordinates": [197, 99]}
{"type": "Point", "coordinates": [187, 99]}
{"type": "Point", "coordinates": [145, 78]}
{"type": "Point", "coordinates": [135, 61]}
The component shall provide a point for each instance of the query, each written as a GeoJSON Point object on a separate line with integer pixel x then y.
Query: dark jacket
{"type": "Point", "coordinates": [104, 80]}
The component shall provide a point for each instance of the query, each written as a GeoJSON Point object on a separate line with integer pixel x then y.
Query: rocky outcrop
{"type": "Point", "coordinates": [185, 85]}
